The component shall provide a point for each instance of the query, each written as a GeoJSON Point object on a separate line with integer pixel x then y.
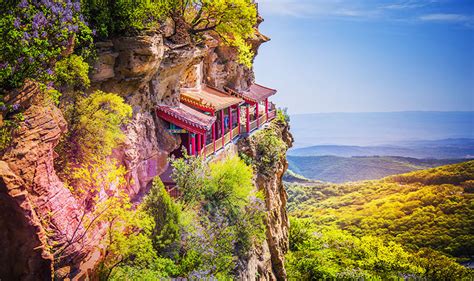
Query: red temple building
{"type": "Point", "coordinates": [258, 110]}
{"type": "Point", "coordinates": [207, 119]}
{"type": "Point", "coordinates": [224, 107]}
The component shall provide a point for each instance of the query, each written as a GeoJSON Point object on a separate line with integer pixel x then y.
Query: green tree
{"type": "Point", "coordinates": [167, 215]}
{"type": "Point", "coordinates": [232, 20]}
{"type": "Point", "coordinates": [94, 129]}
{"type": "Point", "coordinates": [229, 186]}
{"type": "Point", "coordinates": [127, 239]}
{"type": "Point", "coordinates": [190, 174]}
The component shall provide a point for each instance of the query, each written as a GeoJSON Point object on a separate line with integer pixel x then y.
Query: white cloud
{"type": "Point", "coordinates": [445, 18]}
{"type": "Point", "coordinates": [409, 4]}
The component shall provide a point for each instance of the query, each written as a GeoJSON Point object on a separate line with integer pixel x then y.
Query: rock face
{"type": "Point", "coordinates": [33, 199]}
{"type": "Point", "coordinates": [277, 243]}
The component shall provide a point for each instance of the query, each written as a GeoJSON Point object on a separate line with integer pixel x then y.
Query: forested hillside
{"type": "Point", "coordinates": [343, 169]}
{"type": "Point", "coordinates": [419, 224]}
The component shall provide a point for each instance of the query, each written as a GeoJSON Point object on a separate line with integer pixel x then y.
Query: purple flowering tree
{"type": "Point", "coordinates": [36, 34]}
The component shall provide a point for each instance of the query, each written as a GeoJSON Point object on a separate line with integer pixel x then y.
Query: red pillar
{"type": "Point", "coordinates": [199, 137]}
{"type": "Point", "coordinates": [223, 127]}
{"type": "Point", "coordinates": [266, 107]}
{"type": "Point", "coordinates": [193, 144]}
{"type": "Point", "coordinates": [230, 122]}
{"type": "Point", "coordinates": [204, 144]}
{"type": "Point", "coordinates": [247, 125]}
{"type": "Point", "coordinates": [238, 117]}
{"type": "Point", "coordinates": [214, 132]}
{"type": "Point", "coordinates": [188, 149]}
{"type": "Point", "coordinates": [256, 114]}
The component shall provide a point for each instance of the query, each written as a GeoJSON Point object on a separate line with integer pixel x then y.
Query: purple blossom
{"type": "Point", "coordinates": [76, 6]}
{"type": "Point", "coordinates": [3, 107]}
{"type": "Point", "coordinates": [49, 71]}
{"type": "Point", "coordinates": [55, 10]}
{"type": "Point", "coordinates": [26, 36]}
{"type": "Point", "coordinates": [47, 3]}
{"type": "Point", "coordinates": [21, 59]}
{"type": "Point", "coordinates": [31, 60]}
{"type": "Point", "coordinates": [16, 24]}
{"type": "Point", "coordinates": [44, 34]}
{"type": "Point", "coordinates": [3, 65]}
{"type": "Point", "coordinates": [16, 106]}
{"type": "Point", "coordinates": [39, 20]}
{"type": "Point", "coordinates": [94, 32]}
{"type": "Point", "coordinates": [23, 4]}
{"type": "Point", "coordinates": [74, 28]}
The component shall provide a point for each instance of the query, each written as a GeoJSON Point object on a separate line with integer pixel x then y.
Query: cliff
{"type": "Point", "coordinates": [38, 211]}
{"type": "Point", "coordinates": [268, 179]}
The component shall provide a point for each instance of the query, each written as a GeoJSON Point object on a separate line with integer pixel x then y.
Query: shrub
{"type": "Point", "coordinates": [72, 72]}
{"type": "Point", "coordinates": [229, 186]}
{"type": "Point", "coordinates": [270, 150]}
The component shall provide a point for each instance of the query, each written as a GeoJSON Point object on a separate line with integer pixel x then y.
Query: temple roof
{"type": "Point", "coordinates": [186, 117]}
{"type": "Point", "coordinates": [208, 98]}
{"type": "Point", "coordinates": [255, 93]}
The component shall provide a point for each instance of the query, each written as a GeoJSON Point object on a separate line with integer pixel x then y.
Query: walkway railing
{"type": "Point", "coordinates": [208, 150]}
{"type": "Point", "coordinates": [271, 115]}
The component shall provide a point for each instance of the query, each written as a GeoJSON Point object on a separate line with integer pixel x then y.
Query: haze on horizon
{"type": "Point", "coordinates": [368, 56]}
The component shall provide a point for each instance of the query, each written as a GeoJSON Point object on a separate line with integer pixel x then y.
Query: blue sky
{"type": "Point", "coordinates": [368, 56]}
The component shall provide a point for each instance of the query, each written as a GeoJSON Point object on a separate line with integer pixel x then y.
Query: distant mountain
{"type": "Point", "coordinates": [438, 149]}
{"type": "Point", "coordinates": [344, 169]}
{"type": "Point", "coordinates": [379, 128]}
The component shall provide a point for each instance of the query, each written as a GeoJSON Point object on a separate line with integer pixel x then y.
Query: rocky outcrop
{"type": "Point", "coordinates": [277, 224]}
{"type": "Point", "coordinates": [36, 208]}
{"type": "Point", "coordinates": [146, 72]}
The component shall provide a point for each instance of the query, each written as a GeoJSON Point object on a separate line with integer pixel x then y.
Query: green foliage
{"type": "Point", "coordinates": [94, 129]}
{"type": "Point", "coordinates": [337, 169]}
{"type": "Point", "coordinates": [232, 20]}
{"type": "Point", "coordinates": [9, 125]}
{"type": "Point", "coordinates": [225, 216]}
{"type": "Point", "coordinates": [229, 186]}
{"type": "Point", "coordinates": [283, 116]}
{"type": "Point", "coordinates": [190, 174]}
{"type": "Point", "coordinates": [161, 269]}
{"type": "Point", "coordinates": [121, 17]}
{"type": "Point", "coordinates": [327, 253]}
{"type": "Point", "coordinates": [72, 73]}
{"type": "Point", "coordinates": [270, 150]}
{"type": "Point", "coordinates": [250, 226]}
{"type": "Point", "coordinates": [431, 222]}
{"type": "Point", "coordinates": [127, 239]}
{"type": "Point", "coordinates": [88, 179]}
{"type": "Point", "coordinates": [167, 215]}
{"type": "Point", "coordinates": [450, 174]}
